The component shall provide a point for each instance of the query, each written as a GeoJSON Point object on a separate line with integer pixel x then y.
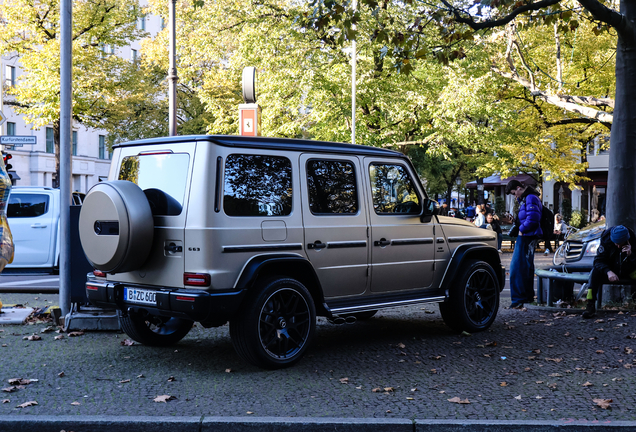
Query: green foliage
{"type": "Point", "coordinates": [500, 205]}
{"type": "Point", "coordinates": [577, 220]}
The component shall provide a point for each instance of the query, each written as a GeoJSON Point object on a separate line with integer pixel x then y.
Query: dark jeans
{"type": "Point", "coordinates": [522, 270]}
{"type": "Point", "coordinates": [499, 240]}
{"type": "Point", "coordinates": [598, 278]}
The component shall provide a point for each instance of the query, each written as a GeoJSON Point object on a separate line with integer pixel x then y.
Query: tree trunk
{"type": "Point", "coordinates": [621, 182]}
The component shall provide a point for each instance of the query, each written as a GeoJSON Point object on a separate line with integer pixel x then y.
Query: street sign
{"type": "Point", "coordinates": [18, 140]}
{"type": "Point", "coordinates": [3, 118]}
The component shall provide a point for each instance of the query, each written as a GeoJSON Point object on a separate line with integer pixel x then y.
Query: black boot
{"type": "Point", "coordinates": [590, 310]}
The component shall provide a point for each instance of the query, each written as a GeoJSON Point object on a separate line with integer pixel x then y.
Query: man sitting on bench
{"type": "Point", "coordinates": [614, 260]}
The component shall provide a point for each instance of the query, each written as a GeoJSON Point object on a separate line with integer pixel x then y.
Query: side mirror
{"type": "Point", "coordinates": [431, 208]}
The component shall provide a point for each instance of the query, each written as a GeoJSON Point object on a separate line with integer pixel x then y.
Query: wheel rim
{"type": "Point", "coordinates": [284, 324]}
{"type": "Point", "coordinates": [481, 297]}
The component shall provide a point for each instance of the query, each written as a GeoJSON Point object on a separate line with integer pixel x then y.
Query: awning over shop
{"type": "Point", "coordinates": [14, 175]}
{"type": "Point", "coordinates": [495, 180]}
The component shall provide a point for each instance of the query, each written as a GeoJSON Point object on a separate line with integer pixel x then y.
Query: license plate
{"type": "Point", "coordinates": [140, 296]}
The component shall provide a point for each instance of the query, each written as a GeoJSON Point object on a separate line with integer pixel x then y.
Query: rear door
{"type": "Point", "coordinates": [402, 247]}
{"type": "Point", "coordinates": [335, 223]}
{"type": "Point", "coordinates": [33, 224]}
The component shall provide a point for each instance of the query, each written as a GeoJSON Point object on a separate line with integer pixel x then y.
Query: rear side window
{"type": "Point", "coordinates": [257, 185]}
{"type": "Point", "coordinates": [332, 187]}
{"type": "Point", "coordinates": [27, 205]}
{"type": "Point", "coordinates": [393, 190]}
{"type": "Point", "coordinates": [162, 177]}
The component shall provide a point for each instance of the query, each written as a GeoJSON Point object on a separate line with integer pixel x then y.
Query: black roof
{"type": "Point", "coordinates": [270, 143]}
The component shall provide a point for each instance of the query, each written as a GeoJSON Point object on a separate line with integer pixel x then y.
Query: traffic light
{"type": "Point", "coordinates": [6, 157]}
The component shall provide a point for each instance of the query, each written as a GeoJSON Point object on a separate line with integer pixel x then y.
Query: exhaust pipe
{"type": "Point", "coordinates": [338, 320]}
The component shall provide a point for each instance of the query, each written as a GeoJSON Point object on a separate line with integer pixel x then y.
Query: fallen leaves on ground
{"type": "Point", "coordinates": [75, 403]}
{"type": "Point", "coordinates": [76, 334]}
{"type": "Point", "coordinates": [228, 370]}
{"type": "Point", "coordinates": [124, 381]}
{"type": "Point", "coordinates": [459, 401]}
{"type": "Point", "coordinates": [344, 380]}
{"type": "Point", "coordinates": [603, 403]}
{"type": "Point", "coordinates": [171, 379]}
{"type": "Point", "coordinates": [587, 384]}
{"type": "Point", "coordinates": [61, 374]}
{"type": "Point", "coordinates": [27, 404]}
{"type": "Point", "coordinates": [33, 337]}
{"type": "Point", "coordinates": [127, 342]}
{"type": "Point", "coordinates": [58, 337]}
{"type": "Point", "coordinates": [21, 381]}
{"type": "Point", "coordinates": [4, 401]}
{"type": "Point", "coordinates": [503, 384]}
{"type": "Point", "coordinates": [163, 398]}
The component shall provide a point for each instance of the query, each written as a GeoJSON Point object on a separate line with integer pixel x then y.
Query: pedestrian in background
{"type": "Point", "coordinates": [480, 216]}
{"type": "Point", "coordinates": [529, 223]}
{"type": "Point", "coordinates": [614, 260]}
{"type": "Point", "coordinates": [560, 229]}
{"type": "Point", "coordinates": [492, 222]}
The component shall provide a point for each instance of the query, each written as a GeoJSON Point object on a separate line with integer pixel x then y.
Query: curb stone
{"type": "Point", "coordinates": [306, 424]}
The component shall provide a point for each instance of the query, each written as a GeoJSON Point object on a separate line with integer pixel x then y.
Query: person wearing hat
{"type": "Point", "coordinates": [614, 260]}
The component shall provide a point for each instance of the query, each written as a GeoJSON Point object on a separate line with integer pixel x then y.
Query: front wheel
{"type": "Point", "coordinates": [154, 330]}
{"type": "Point", "coordinates": [473, 300]}
{"type": "Point", "coordinates": [275, 325]}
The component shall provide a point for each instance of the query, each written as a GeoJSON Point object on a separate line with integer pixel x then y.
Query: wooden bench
{"type": "Point", "coordinates": [554, 273]}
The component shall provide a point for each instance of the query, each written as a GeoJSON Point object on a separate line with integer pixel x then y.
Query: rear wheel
{"type": "Point", "coordinates": [276, 324]}
{"type": "Point", "coordinates": [473, 300]}
{"type": "Point", "coordinates": [154, 330]}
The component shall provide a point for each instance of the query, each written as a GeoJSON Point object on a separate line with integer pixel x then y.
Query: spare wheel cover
{"type": "Point", "coordinates": [116, 226]}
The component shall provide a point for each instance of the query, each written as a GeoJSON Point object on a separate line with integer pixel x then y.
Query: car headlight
{"type": "Point", "coordinates": [592, 247]}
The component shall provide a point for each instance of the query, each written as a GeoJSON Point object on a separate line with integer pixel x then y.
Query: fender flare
{"type": "Point", "coordinates": [467, 251]}
{"type": "Point", "coordinates": [298, 267]}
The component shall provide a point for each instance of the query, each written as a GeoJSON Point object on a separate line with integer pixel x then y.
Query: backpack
{"type": "Point", "coordinates": [547, 223]}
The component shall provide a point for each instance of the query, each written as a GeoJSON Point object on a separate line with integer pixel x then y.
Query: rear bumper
{"type": "Point", "coordinates": [195, 305]}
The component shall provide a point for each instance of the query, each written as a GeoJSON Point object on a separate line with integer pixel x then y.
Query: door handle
{"type": "Point", "coordinates": [38, 226]}
{"type": "Point", "coordinates": [316, 245]}
{"type": "Point", "coordinates": [382, 242]}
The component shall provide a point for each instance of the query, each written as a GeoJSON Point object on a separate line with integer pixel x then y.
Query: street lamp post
{"type": "Point", "coordinates": [172, 72]}
{"type": "Point", "coordinates": [354, 60]}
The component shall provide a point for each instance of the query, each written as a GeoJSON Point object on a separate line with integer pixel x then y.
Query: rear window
{"type": "Point", "coordinates": [27, 205]}
{"type": "Point", "coordinates": [162, 177]}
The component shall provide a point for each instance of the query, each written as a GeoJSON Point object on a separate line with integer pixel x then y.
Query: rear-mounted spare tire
{"type": "Point", "coordinates": [116, 226]}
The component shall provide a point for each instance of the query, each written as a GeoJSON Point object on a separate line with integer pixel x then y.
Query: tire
{"type": "Point", "coordinates": [275, 324]}
{"type": "Point", "coordinates": [116, 226]}
{"type": "Point", "coordinates": [363, 316]}
{"type": "Point", "coordinates": [473, 300]}
{"type": "Point", "coordinates": [154, 330]}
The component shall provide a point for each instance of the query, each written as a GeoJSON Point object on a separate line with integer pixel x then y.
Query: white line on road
{"type": "Point", "coordinates": [30, 282]}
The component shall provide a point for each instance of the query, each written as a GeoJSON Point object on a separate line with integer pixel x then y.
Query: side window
{"type": "Point", "coordinates": [24, 206]}
{"type": "Point", "coordinates": [332, 187]}
{"type": "Point", "coordinates": [393, 190]}
{"type": "Point", "coordinates": [257, 186]}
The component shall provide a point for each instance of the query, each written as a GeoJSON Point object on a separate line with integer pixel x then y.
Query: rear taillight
{"type": "Point", "coordinates": [184, 298]}
{"type": "Point", "coordinates": [99, 273]}
{"type": "Point", "coordinates": [92, 288]}
{"type": "Point", "coordinates": [196, 279]}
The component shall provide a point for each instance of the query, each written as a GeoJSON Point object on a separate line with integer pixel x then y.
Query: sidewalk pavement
{"type": "Point", "coordinates": [403, 370]}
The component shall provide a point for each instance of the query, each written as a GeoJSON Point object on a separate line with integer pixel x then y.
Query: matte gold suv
{"type": "Point", "coordinates": [267, 234]}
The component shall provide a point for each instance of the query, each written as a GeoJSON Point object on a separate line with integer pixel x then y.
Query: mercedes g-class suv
{"type": "Point", "coordinates": [268, 233]}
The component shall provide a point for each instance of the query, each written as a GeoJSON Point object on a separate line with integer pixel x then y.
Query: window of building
{"type": "Point", "coordinates": [332, 187]}
{"type": "Point", "coordinates": [74, 143]}
{"type": "Point", "coordinates": [102, 147]}
{"type": "Point", "coordinates": [141, 23]}
{"type": "Point", "coordinates": [393, 190]}
{"type": "Point", "coordinates": [257, 185]}
{"type": "Point", "coordinates": [163, 23]}
{"type": "Point", "coordinates": [50, 140]}
{"type": "Point", "coordinates": [10, 128]}
{"type": "Point", "coordinates": [133, 55]}
{"type": "Point", "coordinates": [9, 76]}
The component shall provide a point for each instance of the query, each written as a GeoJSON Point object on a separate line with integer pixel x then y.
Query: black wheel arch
{"type": "Point", "coordinates": [466, 252]}
{"type": "Point", "coordinates": [284, 265]}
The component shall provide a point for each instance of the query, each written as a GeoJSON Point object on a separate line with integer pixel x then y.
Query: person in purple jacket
{"type": "Point", "coordinates": [529, 223]}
